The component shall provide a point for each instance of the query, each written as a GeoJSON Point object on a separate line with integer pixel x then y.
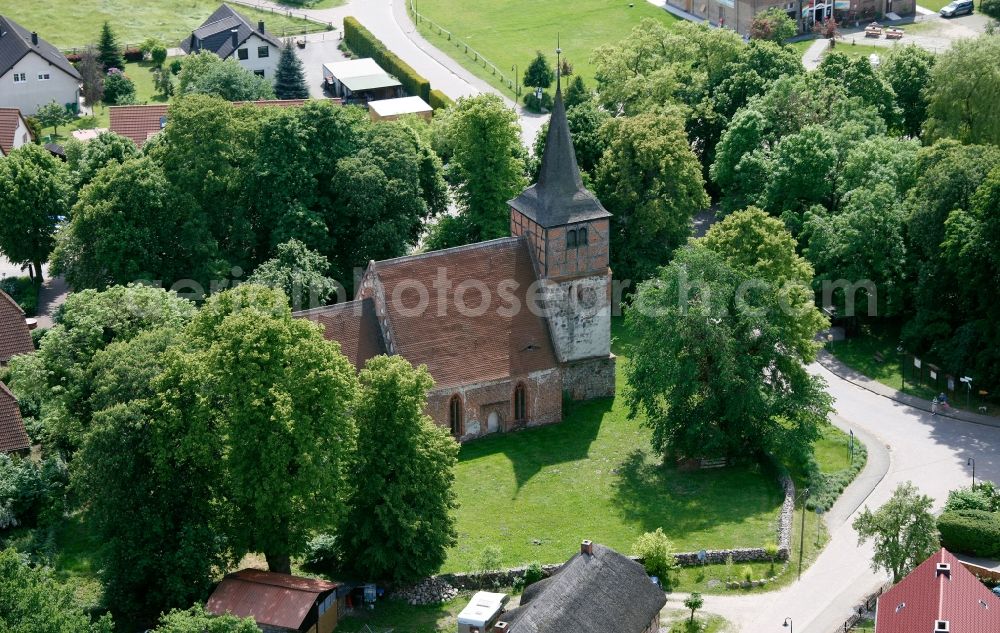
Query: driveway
{"type": "Point", "coordinates": [908, 444]}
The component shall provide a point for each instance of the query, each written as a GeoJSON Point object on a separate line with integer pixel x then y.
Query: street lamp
{"type": "Point", "coordinates": [902, 366]}
{"type": "Point", "coordinates": [788, 625]}
{"type": "Point", "coordinates": [968, 389]}
{"type": "Point", "coordinates": [517, 83]}
{"type": "Point", "coordinates": [972, 462]}
{"type": "Point", "coordinates": [802, 539]}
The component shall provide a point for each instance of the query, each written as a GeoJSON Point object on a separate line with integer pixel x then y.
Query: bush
{"type": "Point", "coordinates": [133, 55]}
{"type": "Point", "coordinates": [175, 67]}
{"type": "Point", "coordinates": [971, 532]}
{"type": "Point", "coordinates": [533, 574]}
{"type": "Point", "coordinates": [31, 494]}
{"type": "Point", "coordinates": [535, 104]}
{"type": "Point", "coordinates": [118, 88]}
{"type": "Point", "coordinates": [320, 555]}
{"type": "Point", "coordinates": [984, 496]}
{"type": "Point", "coordinates": [439, 100]}
{"type": "Point", "coordinates": [825, 488]}
{"type": "Point", "coordinates": [158, 55]}
{"type": "Point", "coordinates": [657, 553]}
{"type": "Point", "coordinates": [361, 41]}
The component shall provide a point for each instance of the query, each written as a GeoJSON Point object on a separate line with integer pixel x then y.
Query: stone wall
{"type": "Point", "coordinates": [578, 312]}
{"type": "Point", "coordinates": [592, 378]}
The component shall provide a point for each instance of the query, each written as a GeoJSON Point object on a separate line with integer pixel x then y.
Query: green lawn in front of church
{"type": "Point", "coordinates": [537, 493]}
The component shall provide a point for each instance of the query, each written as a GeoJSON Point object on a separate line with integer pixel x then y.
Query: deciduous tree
{"type": "Point", "coordinates": [206, 73]}
{"type": "Point", "coordinates": [53, 115]}
{"type": "Point", "coordinates": [907, 70]}
{"type": "Point", "coordinates": [34, 196]}
{"type": "Point", "coordinates": [92, 76]}
{"type": "Point", "coordinates": [650, 180]}
{"type": "Point", "coordinates": [903, 531]}
{"type": "Point", "coordinates": [399, 523]}
{"type": "Point", "coordinates": [300, 273]}
{"type": "Point", "coordinates": [197, 620]}
{"type": "Point", "coordinates": [962, 104]}
{"type": "Point", "coordinates": [773, 25]}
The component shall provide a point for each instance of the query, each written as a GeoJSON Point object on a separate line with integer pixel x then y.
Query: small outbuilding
{"type": "Point", "coordinates": [596, 591]}
{"type": "Point", "coordinates": [482, 613]}
{"type": "Point", "coordinates": [360, 81]}
{"type": "Point", "coordinates": [392, 109]}
{"type": "Point", "coordinates": [278, 603]}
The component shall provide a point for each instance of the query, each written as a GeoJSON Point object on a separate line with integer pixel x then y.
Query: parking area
{"type": "Point", "coordinates": [928, 30]}
{"type": "Point", "coordinates": [319, 49]}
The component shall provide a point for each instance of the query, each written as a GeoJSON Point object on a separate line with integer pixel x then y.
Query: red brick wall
{"type": "Point", "coordinates": [584, 259]}
{"type": "Point", "coordinates": [544, 403]}
{"type": "Point", "coordinates": [522, 225]}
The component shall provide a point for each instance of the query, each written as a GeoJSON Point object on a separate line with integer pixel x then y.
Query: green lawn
{"type": "Point", "coordinates": [860, 49]}
{"type": "Point", "coordinates": [71, 24]}
{"type": "Point", "coordinates": [537, 493]}
{"type": "Point", "coordinates": [510, 32]}
{"type": "Point", "coordinates": [801, 46]}
{"type": "Point", "coordinates": [400, 616]}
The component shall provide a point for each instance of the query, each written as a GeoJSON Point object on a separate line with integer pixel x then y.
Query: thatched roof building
{"type": "Point", "coordinates": [596, 591]}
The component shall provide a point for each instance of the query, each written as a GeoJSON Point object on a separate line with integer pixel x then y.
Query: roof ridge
{"type": "Point", "coordinates": [447, 251]}
{"type": "Point", "coordinates": [4, 388]}
{"type": "Point", "coordinates": [10, 299]}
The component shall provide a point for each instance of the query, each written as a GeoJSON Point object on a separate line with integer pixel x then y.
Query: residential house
{"type": "Point", "coordinates": [505, 327]}
{"type": "Point", "coordinates": [939, 596]}
{"type": "Point", "coordinates": [360, 81]}
{"type": "Point", "coordinates": [738, 14]}
{"type": "Point", "coordinates": [13, 437]}
{"type": "Point", "coordinates": [596, 591]}
{"type": "Point", "coordinates": [227, 33]}
{"type": "Point", "coordinates": [33, 72]}
{"type": "Point", "coordinates": [142, 122]}
{"type": "Point", "coordinates": [14, 130]}
{"type": "Point", "coordinates": [15, 330]}
{"type": "Point", "coordinates": [278, 603]}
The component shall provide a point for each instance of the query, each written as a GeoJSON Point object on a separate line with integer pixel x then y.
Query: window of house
{"type": "Point", "coordinates": [581, 237]}
{"type": "Point", "coordinates": [520, 402]}
{"type": "Point", "coordinates": [571, 238]}
{"type": "Point", "coordinates": [44, 76]}
{"type": "Point", "coordinates": [20, 78]}
{"type": "Point", "coordinates": [259, 73]}
{"type": "Point", "coordinates": [243, 53]}
{"type": "Point", "coordinates": [455, 415]}
{"type": "Point", "coordinates": [262, 51]}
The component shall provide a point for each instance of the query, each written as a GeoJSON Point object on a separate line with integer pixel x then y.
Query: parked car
{"type": "Point", "coordinates": [957, 7]}
{"type": "Point", "coordinates": [996, 590]}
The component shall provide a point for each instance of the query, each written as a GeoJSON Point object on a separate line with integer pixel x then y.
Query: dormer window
{"type": "Point", "coordinates": [571, 238]}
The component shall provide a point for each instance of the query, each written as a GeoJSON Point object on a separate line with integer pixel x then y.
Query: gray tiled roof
{"type": "Point", "coordinates": [559, 196]}
{"type": "Point", "coordinates": [215, 33]}
{"type": "Point", "coordinates": [15, 43]}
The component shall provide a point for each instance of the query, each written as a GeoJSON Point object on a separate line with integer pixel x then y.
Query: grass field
{"type": "Point", "coordinates": [535, 494]}
{"type": "Point", "coordinates": [71, 24]}
{"type": "Point", "coordinates": [510, 32]}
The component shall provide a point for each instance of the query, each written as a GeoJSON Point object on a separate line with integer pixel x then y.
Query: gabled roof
{"type": "Point", "coordinates": [602, 592]}
{"type": "Point", "coordinates": [559, 196]}
{"type": "Point", "coordinates": [482, 343]}
{"type": "Point", "coordinates": [926, 596]}
{"type": "Point", "coordinates": [15, 338]}
{"type": "Point", "coordinates": [15, 43]}
{"type": "Point", "coordinates": [269, 598]}
{"type": "Point", "coordinates": [354, 325]}
{"type": "Point", "coordinates": [215, 33]}
{"type": "Point", "coordinates": [140, 122]}
{"type": "Point", "coordinates": [12, 434]}
{"type": "Point", "coordinates": [10, 118]}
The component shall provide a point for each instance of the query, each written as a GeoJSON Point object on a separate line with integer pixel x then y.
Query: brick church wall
{"type": "Point", "coordinates": [479, 400]}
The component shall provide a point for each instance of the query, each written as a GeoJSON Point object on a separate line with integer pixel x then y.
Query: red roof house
{"type": "Point", "coordinates": [939, 596]}
{"type": "Point", "coordinates": [277, 602]}
{"type": "Point", "coordinates": [14, 130]}
{"type": "Point", "coordinates": [15, 336]}
{"type": "Point", "coordinates": [13, 437]}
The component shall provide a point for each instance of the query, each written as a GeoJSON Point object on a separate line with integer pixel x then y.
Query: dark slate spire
{"type": "Point", "coordinates": [559, 196]}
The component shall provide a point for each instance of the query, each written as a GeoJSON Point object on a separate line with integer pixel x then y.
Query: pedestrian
{"type": "Point", "coordinates": [934, 406]}
{"type": "Point", "coordinates": [943, 400]}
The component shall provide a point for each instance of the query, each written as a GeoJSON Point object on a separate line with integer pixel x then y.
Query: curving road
{"type": "Point", "coordinates": [904, 444]}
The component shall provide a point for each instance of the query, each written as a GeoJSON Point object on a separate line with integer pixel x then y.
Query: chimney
{"type": "Point", "coordinates": [943, 569]}
{"type": "Point", "coordinates": [260, 26]}
{"type": "Point", "coordinates": [31, 323]}
{"type": "Point", "coordinates": [587, 547]}
{"type": "Point", "coordinates": [236, 37]}
{"type": "Point", "coordinates": [501, 627]}
{"type": "Point", "coordinates": [34, 38]}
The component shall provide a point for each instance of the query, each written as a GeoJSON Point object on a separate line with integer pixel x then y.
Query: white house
{"type": "Point", "coordinates": [14, 130]}
{"type": "Point", "coordinates": [33, 72]}
{"type": "Point", "coordinates": [228, 34]}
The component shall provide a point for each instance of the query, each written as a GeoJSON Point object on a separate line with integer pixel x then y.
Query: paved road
{"type": "Point", "coordinates": [906, 444]}
{"type": "Point", "coordinates": [51, 296]}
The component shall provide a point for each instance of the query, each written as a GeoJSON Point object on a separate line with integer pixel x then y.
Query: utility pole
{"type": "Point", "coordinates": [802, 538]}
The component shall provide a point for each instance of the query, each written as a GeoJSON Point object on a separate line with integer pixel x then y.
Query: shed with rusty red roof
{"type": "Point", "coordinates": [278, 602]}
{"type": "Point", "coordinates": [939, 596]}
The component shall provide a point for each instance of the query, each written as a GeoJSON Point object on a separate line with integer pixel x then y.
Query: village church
{"type": "Point", "coordinates": [507, 326]}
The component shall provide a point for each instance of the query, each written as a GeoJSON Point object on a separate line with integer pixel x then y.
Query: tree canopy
{"type": "Point", "coordinates": [206, 73]}
{"type": "Point", "coordinates": [962, 104]}
{"type": "Point", "coordinates": [298, 272]}
{"type": "Point", "coordinates": [903, 531]}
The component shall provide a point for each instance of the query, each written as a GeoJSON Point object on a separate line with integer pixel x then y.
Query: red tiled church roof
{"type": "Point", "coordinates": [12, 434]}
{"type": "Point", "coordinates": [15, 338]}
{"type": "Point", "coordinates": [269, 598]}
{"type": "Point", "coordinates": [926, 596]}
{"type": "Point", "coordinates": [473, 347]}
{"type": "Point", "coordinates": [9, 120]}
{"type": "Point", "coordinates": [354, 325]}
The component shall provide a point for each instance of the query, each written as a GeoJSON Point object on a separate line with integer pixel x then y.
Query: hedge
{"type": "Point", "coordinates": [971, 532]}
{"type": "Point", "coordinates": [439, 100]}
{"type": "Point", "coordinates": [361, 41]}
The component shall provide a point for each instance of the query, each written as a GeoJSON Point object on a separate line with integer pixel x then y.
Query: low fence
{"type": "Point", "coordinates": [865, 607]}
{"type": "Point", "coordinates": [472, 53]}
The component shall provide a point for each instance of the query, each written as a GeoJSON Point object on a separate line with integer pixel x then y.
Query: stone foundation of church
{"type": "Point", "coordinates": [590, 378]}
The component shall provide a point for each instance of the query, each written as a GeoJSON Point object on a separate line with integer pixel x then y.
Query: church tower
{"type": "Point", "coordinates": [567, 229]}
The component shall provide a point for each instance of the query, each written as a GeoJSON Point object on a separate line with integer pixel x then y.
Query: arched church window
{"type": "Point", "coordinates": [571, 238]}
{"type": "Point", "coordinates": [455, 415]}
{"type": "Point", "coordinates": [581, 236]}
{"type": "Point", "coordinates": [520, 402]}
